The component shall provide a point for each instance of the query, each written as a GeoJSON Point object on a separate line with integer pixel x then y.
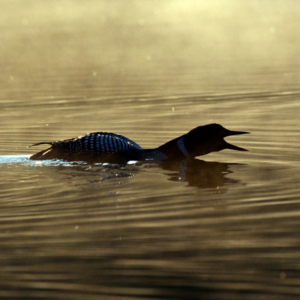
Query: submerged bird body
{"type": "Point", "coordinates": [111, 147]}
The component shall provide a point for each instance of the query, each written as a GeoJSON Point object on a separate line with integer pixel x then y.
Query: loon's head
{"type": "Point", "coordinates": [209, 138]}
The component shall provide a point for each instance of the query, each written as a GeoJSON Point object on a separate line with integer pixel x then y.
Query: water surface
{"type": "Point", "coordinates": [222, 226]}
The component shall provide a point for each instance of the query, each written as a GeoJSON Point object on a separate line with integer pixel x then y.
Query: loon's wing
{"type": "Point", "coordinates": [96, 145]}
{"type": "Point", "coordinates": [125, 139]}
{"type": "Point", "coordinates": [104, 142]}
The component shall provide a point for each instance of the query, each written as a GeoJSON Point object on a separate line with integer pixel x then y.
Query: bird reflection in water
{"type": "Point", "coordinates": [199, 173]}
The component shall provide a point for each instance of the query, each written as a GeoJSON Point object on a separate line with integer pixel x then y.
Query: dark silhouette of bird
{"type": "Point", "coordinates": [114, 148]}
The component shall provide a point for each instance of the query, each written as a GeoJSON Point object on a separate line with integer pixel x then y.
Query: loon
{"type": "Point", "coordinates": [115, 148]}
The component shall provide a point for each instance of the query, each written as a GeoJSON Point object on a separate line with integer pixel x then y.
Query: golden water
{"type": "Point", "coordinates": [224, 226]}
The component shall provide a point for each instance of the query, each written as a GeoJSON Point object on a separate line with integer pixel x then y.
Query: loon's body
{"type": "Point", "coordinates": [111, 147]}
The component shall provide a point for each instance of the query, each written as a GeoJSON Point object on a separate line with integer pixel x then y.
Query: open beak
{"type": "Point", "coordinates": [230, 146]}
{"type": "Point", "coordinates": [231, 132]}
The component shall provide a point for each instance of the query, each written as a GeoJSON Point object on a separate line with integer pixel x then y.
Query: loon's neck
{"type": "Point", "coordinates": [176, 148]}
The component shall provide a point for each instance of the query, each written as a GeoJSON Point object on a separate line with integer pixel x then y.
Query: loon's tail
{"type": "Point", "coordinates": [49, 153]}
{"type": "Point", "coordinates": [42, 143]}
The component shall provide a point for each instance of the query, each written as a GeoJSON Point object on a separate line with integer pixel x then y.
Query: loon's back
{"type": "Point", "coordinates": [96, 146]}
{"type": "Point", "coordinates": [111, 147]}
